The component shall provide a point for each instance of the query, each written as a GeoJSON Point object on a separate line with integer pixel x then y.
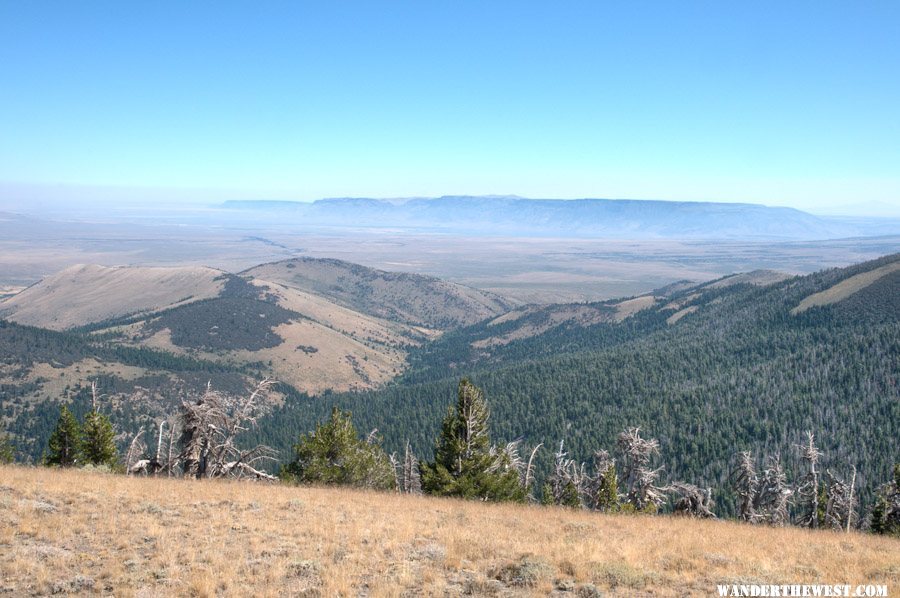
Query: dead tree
{"type": "Point", "coordinates": [840, 510]}
{"type": "Point", "coordinates": [508, 458]}
{"type": "Point", "coordinates": [138, 461]}
{"type": "Point", "coordinates": [602, 489]}
{"type": "Point", "coordinates": [137, 448]}
{"type": "Point", "coordinates": [209, 430]}
{"type": "Point", "coordinates": [762, 498]}
{"type": "Point", "coordinates": [528, 477]}
{"type": "Point", "coordinates": [156, 464]}
{"type": "Point", "coordinates": [640, 481]}
{"type": "Point", "coordinates": [409, 481]}
{"type": "Point", "coordinates": [808, 490]}
{"type": "Point", "coordinates": [746, 486]}
{"type": "Point", "coordinates": [692, 501]}
{"type": "Point", "coordinates": [567, 484]}
{"type": "Point", "coordinates": [773, 497]}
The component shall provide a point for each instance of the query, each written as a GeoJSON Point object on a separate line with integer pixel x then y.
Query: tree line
{"type": "Point", "coordinates": [204, 440]}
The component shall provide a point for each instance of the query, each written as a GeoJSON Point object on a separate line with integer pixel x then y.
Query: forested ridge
{"type": "Point", "coordinates": [741, 372]}
{"type": "Point", "coordinates": [167, 378]}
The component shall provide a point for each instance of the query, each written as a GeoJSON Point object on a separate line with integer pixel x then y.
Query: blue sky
{"type": "Point", "coordinates": [793, 103]}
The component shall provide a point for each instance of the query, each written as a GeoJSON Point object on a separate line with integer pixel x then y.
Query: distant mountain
{"type": "Point", "coordinates": [611, 218]}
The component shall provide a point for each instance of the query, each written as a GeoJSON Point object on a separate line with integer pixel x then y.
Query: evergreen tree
{"type": "Point", "coordinates": [334, 454]}
{"type": "Point", "coordinates": [547, 495]}
{"type": "Point", "coordinates": [569, 497]}
{"type": "Point", "coordinates": [886, 512]}
{"type": "Point", "coordinates": [98, 446]}
{"type": "Point", "coordinates": [607, 494]}
{"type": "Point", "coordinates": [64, 446]}
{"type": "Point", "coordinates": [464, 464]}
{"type": "Point", "coordinates": [7, 450]}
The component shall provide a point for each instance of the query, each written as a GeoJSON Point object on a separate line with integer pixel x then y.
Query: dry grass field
{"type": "Point", "coordinates": [84, 294]}
{"type": "Point", "coordinates": [77, 532]}
{"type": "Point", "coordinates": [845, 288]}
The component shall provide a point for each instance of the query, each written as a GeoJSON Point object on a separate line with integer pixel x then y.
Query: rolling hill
{"type": "Point", "coordinates": [739, 369]}
{"type": "Point", "coordinates": [707, 369]}
{"type": "Point", "coordinates": [152, 336]}
{"type": "Point", "coordinates": [411, 299]}
{"type": "Point", "coordinates": [86, 294]}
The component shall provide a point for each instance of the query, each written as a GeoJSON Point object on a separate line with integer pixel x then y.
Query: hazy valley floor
{"type": "Point", "coordinates": [79, 532]}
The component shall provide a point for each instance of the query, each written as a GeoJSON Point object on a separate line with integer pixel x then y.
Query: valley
{"type": "Point", "coordinates": [745, 361]}
{"type": "Point", "coordinates": [546, 269]}
{"type": "Point", "coordinates": [314, 325]}
{"type": "Point", "coordinates": [449, 299]}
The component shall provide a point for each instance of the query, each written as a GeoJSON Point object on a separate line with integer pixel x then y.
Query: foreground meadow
{"type": "Point", "coordinates": [78, 532]}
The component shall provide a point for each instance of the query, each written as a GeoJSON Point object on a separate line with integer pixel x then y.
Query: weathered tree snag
{"type": "Point", "coordinates": [209, 428]}
{"type": "Point", "coordinates": [840, 509]}
{"type": "Point", "coordinates": [409, 481]}
{"type": "Point", "coordinates": [746, 485]}
{"type": "Point", "coordinates": [774, 495]}
{"type": "Point", "coordinates": [640, 480]}
{"type": "Point", "coordinates": [808, 491]}
{"type": "Point", "coordinates": [693, 501]}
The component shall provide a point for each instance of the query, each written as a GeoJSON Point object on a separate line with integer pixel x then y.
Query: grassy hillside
{"type": "Point", "coordinates": [315, 324]}
{"type": "Point", "coordinates": [152, 336]}
{"type": "Point", "coordinates": [88, 293]}
{"type": "Point", "coordinates": [78, 532]}
{"type": "Point", "coordinates": [411, 299]}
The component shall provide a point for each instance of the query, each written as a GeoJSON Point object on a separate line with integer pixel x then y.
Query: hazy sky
{"type": "Point", "coordinates": [782, 103]}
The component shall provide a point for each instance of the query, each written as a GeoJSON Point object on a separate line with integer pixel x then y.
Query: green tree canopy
{"type": "Point", "coordinates": [98, 446]}
{"type": "Point", "coordinates": [334, 454]}
{"type": "Point", "coordinates": [886, 512]}
{"type": "Point", "coordinates": [64, 446]}
{"type": "Point", "coordinates": [7, 450]}
{"type": "Point", "coordinates": [465, 465]}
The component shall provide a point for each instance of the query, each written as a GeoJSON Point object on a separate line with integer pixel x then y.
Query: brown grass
{"type": "Point", "coordinates": [681, 313]}
{"type": "Point", "coordinates": [83, 532]}
{"type": "Point", "coordinates": [845, 288]}
{"type": "Point", "coordinates": [89, 293]}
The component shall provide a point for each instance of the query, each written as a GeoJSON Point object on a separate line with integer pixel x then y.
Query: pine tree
{"type": "Point", "coordinates": [606, 498]}
{"type": "Point", "coordinates": [7, 450]}
{"type": "Point", "coordinates": [464, 464]}
{"type": "Point", "coordinates": [334, 454]}
{"type": "Point", "coordinates": [886, 512]}
{"type": "Point", "coordinates": [64, 446]}
{"type": "Point", "coordinates": [547, 495]}
{"type": "Point", "coordinates": [98, 446]}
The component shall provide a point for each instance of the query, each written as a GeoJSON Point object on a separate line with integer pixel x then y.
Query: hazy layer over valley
{"type": "Point", "coordinates": [552, 251]}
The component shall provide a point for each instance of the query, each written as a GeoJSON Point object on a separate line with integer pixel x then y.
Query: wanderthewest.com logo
{"type": "Point", "coordinates": [752, 590]}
